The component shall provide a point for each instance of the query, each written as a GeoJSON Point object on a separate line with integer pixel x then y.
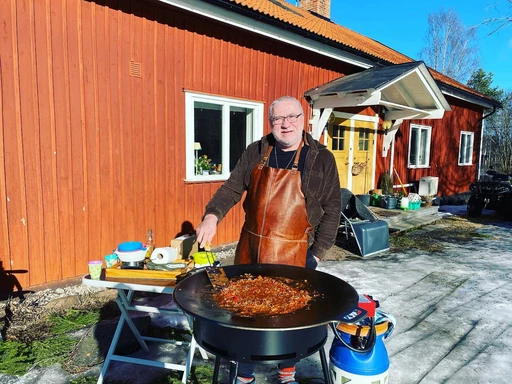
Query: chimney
{"type": "Point", "coordinates": [320, 7]}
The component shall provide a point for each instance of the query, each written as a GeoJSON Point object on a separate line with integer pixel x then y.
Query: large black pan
{"type": "Point", "coordinates": [336, 299]}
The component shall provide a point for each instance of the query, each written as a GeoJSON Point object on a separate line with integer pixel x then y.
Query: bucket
{"type": "Point", "coordinates": [365, 198]}
{"type": "Point", "coordinates": [362, 367]}
{"type": "Point", "coordinates": [388, 202]}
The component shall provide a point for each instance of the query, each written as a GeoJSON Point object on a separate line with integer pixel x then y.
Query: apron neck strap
{"type": "Point", "coordinates": [295, 165]}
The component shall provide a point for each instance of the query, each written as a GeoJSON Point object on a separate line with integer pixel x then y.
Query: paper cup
{"type": "Point", "coordinates": [111, 260]}
{"type": "Point", "coordinates": [95, 269]}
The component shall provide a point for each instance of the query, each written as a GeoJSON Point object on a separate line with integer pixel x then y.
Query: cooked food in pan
{"type": "Point", "coordinates": [250, 296]}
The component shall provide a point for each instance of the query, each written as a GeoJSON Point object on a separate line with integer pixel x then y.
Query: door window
{"type": "Point", "coordinates": [338, 138]}
{"type": "Point", "coordinates": [364, 139]}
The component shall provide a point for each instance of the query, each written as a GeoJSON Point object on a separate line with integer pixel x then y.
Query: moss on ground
{"type": "Point", "coordinates": [435, 238]}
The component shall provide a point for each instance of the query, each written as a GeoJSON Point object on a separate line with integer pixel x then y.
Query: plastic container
{"type": "Point", "coordinates": [129, 246]}
{"type": "Point", "coordinates": [414, 205]}
{"type": "Point", "coordinates": [202, 258]}
{"type": "Point", "coordinates": [404, 203]}
{"type": "Point", "coordinates": [365, 199]}
{"type": "Point", "coordinates": [388, 202]}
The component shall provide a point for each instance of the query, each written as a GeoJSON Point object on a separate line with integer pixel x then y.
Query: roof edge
{"type": "Point", "coordinates": [461, 94]}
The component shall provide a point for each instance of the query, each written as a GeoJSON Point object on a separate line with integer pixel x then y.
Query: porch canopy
{"type": "Point", "coordinates": [407, 91]}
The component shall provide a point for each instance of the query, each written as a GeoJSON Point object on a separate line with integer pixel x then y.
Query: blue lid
{"type": "Point", "coordinates": [129, 246]}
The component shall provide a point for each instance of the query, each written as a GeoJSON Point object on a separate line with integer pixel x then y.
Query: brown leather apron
{"type": "Point", "coordinates": [276, 224]}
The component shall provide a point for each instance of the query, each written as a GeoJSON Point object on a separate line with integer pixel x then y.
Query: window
{"type": "Point", "coordinates": [466, 148]}
{"type": "Point", "coordinates": [217, 132]}
{"type": "Point", "coordinates": [419, 146]}
{"type": "Point", "coordinates": [338, 138]}
{"type": "Point", "coordinates": [364, 139]}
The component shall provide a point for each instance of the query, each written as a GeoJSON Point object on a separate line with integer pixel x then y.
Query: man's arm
{"type": "Point", "coordinates": [330, 201]}
{"type": "Point", "coordinates": [226, 197]}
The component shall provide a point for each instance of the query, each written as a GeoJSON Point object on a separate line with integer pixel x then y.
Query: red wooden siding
{"type": "Point", "coordinates": [92, 155]}
{"type": "Point", "coordinates": [444, 150]}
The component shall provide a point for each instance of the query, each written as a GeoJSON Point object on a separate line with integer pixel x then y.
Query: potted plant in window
{"type": "Point", "coordinates": [203, 165]}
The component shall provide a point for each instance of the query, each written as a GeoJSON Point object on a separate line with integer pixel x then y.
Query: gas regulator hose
{"type": "Point", "coordinates": [370, 342]}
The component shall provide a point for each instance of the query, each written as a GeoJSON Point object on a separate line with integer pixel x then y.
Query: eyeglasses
{"type": "Point", "coordinates": [278, 120]}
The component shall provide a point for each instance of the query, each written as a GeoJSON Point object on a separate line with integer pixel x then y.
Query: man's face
{"type": "Point", "coordinates": [287, 134]}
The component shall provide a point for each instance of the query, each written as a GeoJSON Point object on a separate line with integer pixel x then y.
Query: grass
{"type": "Point", "coordinates": [73, 320]}
{"type": "Point", "coordinates": [51, 343]}
{"type": "Point", "coordinates": [17, 357]}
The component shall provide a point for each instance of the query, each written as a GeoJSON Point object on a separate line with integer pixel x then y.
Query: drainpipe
{"type": "Point", "coordinates": [479, 168]}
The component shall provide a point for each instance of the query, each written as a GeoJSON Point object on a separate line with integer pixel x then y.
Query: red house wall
{"type": "Point", "coordinates": [93, 154]}
{"type": "Point", "coordinates": [444, 149]}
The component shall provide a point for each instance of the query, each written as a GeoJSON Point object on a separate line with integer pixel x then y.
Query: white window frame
{"type": "Point", "coordinates": [470, 139]}
{"type": "Point", "coordinates": [226, 103]}
{"type": "Point", "coordinates": [418, 144]}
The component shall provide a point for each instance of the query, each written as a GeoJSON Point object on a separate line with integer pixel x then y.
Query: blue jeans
{"type": "Point", "coordinates": [311, 262]}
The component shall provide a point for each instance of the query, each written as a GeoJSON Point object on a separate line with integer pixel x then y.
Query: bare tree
{"type": "Point", "coordinates": [504, 19]}
{"type": "Point", "coordinates": [497, 143]}
{"type": "Point", "coordinates": [497, 140]}
{"type": "Point", "coordinates": [451, 48]}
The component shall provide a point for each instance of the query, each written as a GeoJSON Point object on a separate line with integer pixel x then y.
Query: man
{"type": "Point", "coordinates": [293, 203]}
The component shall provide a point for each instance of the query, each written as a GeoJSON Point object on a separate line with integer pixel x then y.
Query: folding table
{"type": "Point", "coordinates": [126, 292]}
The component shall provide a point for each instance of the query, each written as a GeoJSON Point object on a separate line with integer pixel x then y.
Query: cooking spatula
{"type": "Point", "coordinates": [216, 274]}
{"type": "Point", "coordinates": [217, 277]}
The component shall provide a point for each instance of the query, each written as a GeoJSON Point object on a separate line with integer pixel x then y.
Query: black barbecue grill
{"type": "Point", "coordinates": [265, 340]}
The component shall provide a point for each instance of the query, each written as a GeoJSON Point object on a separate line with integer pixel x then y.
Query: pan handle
{"type": "Point", "coordinates": [355, 316]}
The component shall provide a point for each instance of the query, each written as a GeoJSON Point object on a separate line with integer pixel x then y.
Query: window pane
{"type": "Point", "coordinates": [338, 138]}
{"type": "Point", "coordinates": [414, 139]}
{"type": "Point", "coordinates": [423, 147]}
{"type": "Point", "coordinates": [463, 144]}
{"type": "Point", "coordinates": [469, 150]}
{"type": "Point", "coordinates": [208, 130]}
{"type": "Point", "coordinates": [240, 126]}
{"type": "Point", "coordinates": [364, 139]}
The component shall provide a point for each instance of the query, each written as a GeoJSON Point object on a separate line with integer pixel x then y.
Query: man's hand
{"type": "Point", "coordinates": [207, 230]}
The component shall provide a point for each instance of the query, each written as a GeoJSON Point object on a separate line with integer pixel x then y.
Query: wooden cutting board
{"type": "Point", "coordinates": [146, 276]}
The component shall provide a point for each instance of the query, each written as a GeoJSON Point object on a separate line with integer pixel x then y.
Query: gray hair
{"type": "Point", "coordinates": [283, 98]}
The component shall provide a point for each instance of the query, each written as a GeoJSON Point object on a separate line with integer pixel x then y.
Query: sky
{"type": "Point", "coordinates": [402, 25]}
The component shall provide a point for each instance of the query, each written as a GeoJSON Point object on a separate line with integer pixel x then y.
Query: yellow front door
{"type": "Point", "coordinates": [362, 171]}
{"type": "Point", "coordinates": [352, 144]}
{"type": "Point", "coordinates": [339, 140]}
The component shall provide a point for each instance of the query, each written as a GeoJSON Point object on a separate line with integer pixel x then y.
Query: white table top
{"type": "Point", "coordinates": [127, 286]}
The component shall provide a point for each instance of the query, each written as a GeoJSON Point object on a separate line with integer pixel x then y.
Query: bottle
{"type": "Point", "coordinates": [150, 243]}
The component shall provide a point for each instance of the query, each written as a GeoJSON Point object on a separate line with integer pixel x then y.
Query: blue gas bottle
{"type": "Point", "coordinates": [359, 357]}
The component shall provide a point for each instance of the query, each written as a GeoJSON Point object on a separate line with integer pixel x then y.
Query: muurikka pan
{"type": "Point", "coordinates": [335, 298]}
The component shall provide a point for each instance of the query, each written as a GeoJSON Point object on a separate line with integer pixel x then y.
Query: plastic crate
{"type": "Point", "coordinates": [414, 205]}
